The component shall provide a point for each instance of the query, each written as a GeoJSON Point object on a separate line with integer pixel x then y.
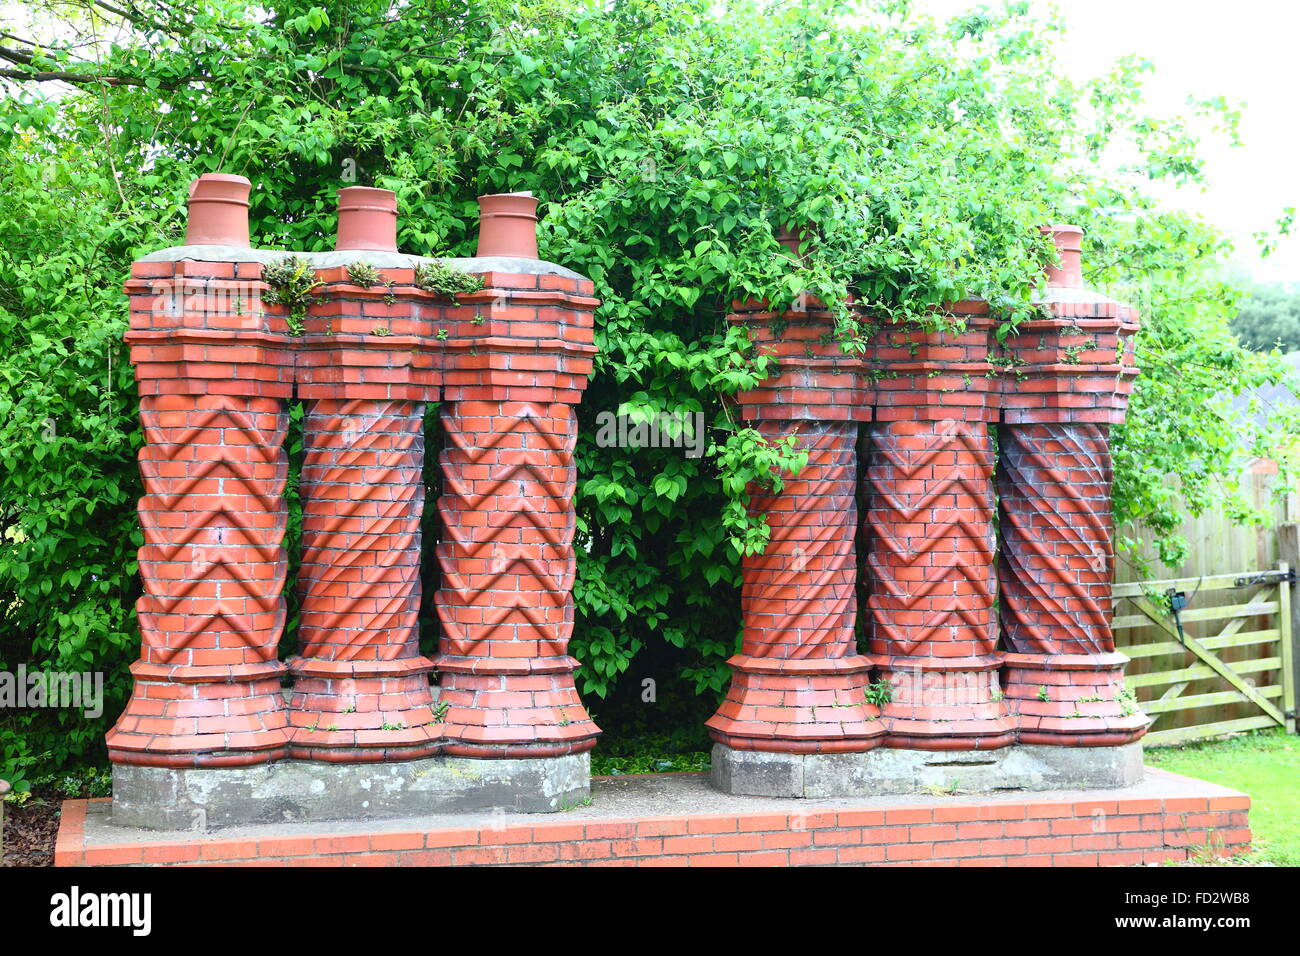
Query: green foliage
{"type": "Point", "coordinates": [693, 762]}
{"type": "Point", "coordinates": [1270, 317]}
{"type": "Point", "coordinates": [437, 277]}
{"type": "Point", "coordinates": [880, 693]}
{"type": "Point", "coordinates": [292, 281]}
{"type": "Point", "coordinates": [667, 139]}
{"type": "Point", "coordinates": [364, 274]}
{"type": "Point", "coordinates": [68, 421]}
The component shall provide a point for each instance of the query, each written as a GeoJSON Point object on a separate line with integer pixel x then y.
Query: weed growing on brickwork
{"type": "Point", "coordinates": [880, 693]}
{"type": "Point", "coordinates": [1128, 702]}
{"type": "Point", "coordinates": [440, 712]}
{"type": "Point", "coordinates": [364, 274]}
{"type": "Point", "coordinates": [292, 281]}
{"type": "Point", "coordinates": [1042, 694]}
{"type": "Point", "coordinates": [1072, 352]}
{"type": "Point", "coordinates": [380, 330]}
{"type": "Point", "coordinates": [438, 278]}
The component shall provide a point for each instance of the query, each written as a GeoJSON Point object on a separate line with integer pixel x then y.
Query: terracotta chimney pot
{"type": "Point", "coordinates": [218, 213]}
{"type": "Point", "coordinates": [507, 225]}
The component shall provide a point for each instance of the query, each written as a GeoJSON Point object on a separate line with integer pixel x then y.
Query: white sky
{"type": "Point", "coordinates": [1247, 51]}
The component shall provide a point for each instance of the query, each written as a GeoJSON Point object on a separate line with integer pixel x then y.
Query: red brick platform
{"type": "Point", "coordinates": [679, 820]}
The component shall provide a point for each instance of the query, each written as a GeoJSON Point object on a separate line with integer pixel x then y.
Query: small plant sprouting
{"type": "Point", "coordinates": [880, 693]}
{"type": "Point", "coordinates": [479, 318]}
{"type": "Point", "coordinates": [1042, 694]}
{"type": "Point", "coordinates": [1128, 702]}
{"type": "Point", "coordinates": [442, 335]}
{"type": "Point", "coordinates": [292, 281]}
{"type": "Point", "coordinates": [364, 274]}
{"type": "Point", "coordinates": [440, 711]}
{"type": "Point", "coordinates": [997, 696]}
{"type": "Point", "coordinates": [380, 330]}
{"type": "Point", "coordinates": [1073, 353]}
{"type": "Point", "coordinates": [437, 278]}
{"type": "Point", "coordinates": [942, 790]}
{"type": "Point", "coordinates": [392, 726]}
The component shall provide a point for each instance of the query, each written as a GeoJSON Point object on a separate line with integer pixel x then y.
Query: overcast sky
{"type": "Point", "coordinates": [1247, 51]}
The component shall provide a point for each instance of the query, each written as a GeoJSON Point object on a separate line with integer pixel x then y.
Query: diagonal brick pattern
{"type": "Point", "coordinates": [799, 684]}
{"type": "Point", "coordinates": [362, 689]}
{"type": "Point", "coordinates": [1069, 379]}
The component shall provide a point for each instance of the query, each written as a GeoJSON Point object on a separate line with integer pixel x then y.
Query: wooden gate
{"type": "Point", "coordinates": [1228, 641]}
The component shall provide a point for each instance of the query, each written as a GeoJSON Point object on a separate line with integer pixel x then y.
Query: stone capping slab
{"type": "Point", "coordinates": [309, 791]}
{"type": "Point", "coordinates": [380, 260]}
{"type": "Point", "coordinates": [901, 772]}
{"type": "Point", "coordinates": [678, 819]}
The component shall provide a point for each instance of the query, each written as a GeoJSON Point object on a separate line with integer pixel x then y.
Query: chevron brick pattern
{"type": "Point", "coordinates": [506, 604]}
{"type": "Point", "coordinates": [208, 681]}
{"type": "Point", "coordinates": [930, 530]}
{"type": "Point", "coordinates": [362, 689]}
{"type": "Point", "coordinates": [799, 684]}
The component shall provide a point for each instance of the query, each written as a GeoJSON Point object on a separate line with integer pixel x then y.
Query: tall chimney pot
{"type": "Point", "coordinates": [507, 225]}
{"type": "Point", "coordinates": [218, 211]}
{"type": "Point", "coordinates": [367, 219]}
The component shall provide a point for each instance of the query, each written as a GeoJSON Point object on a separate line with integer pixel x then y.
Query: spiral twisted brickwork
{"type": "Point", "coordinates": [507, 561]}
{"type": "Point", "coordinates": [930, 532]}
{"type": "Point", "coordinates": [798, 685]}
{"type": "Point", "coordinates": [362, 689]}
{"type": "Point", "coordinates": [207, 687]}
{"type": "Point", "coordinates": [1054, 491]}
{"type": "Point", "coordinates": [1064, 679]}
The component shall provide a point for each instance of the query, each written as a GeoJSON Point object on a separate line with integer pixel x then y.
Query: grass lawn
{"type": "Point", "coordinates": [1265, 765]}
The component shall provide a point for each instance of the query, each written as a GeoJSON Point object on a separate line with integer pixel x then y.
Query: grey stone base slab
{"type": "Point", "coordinates": [886, 772]}
{"type": "Point", "coordinates": [292, 791]}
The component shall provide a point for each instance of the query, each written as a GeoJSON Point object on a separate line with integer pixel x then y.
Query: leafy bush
{"type": "Point", "coordinates": [668, 139]}
{"type": "Point", "coordinates": [1270, 316]}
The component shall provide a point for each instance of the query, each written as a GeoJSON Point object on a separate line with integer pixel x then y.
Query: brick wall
{"type": "Point", "coordinates": [216, 362]}
{"type": "Point", "coordinates": [1033, 831]}
{"type": "Point", "coordinates": [933, 401]}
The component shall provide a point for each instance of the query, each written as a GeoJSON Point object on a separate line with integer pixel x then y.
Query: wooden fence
{"type": "Point", "coordinates": [1233, 656]}
{"type": "Point", "coordinates": [1232, 667]}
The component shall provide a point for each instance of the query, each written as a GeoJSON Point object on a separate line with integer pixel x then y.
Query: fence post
{"type": "Point", "coordinates": [1288, 548]}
